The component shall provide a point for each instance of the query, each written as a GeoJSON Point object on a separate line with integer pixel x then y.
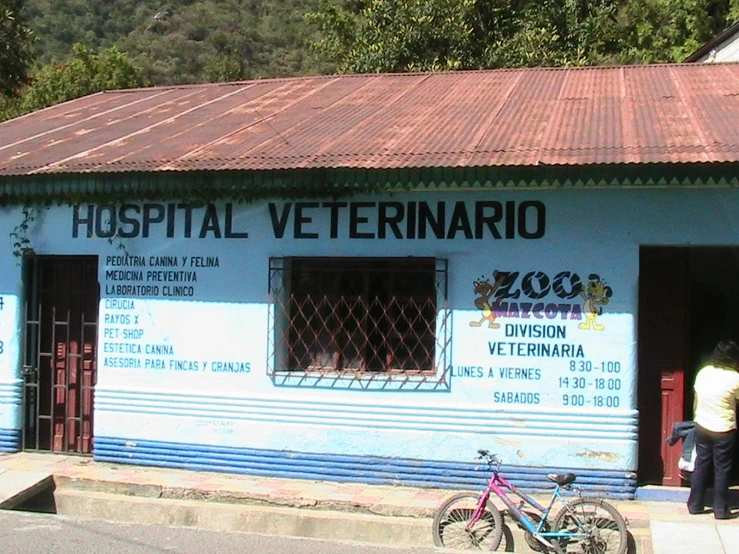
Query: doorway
{"type": "Point", "coordinates": [59, 352]}
{"type": "Point", "coordinates": [687, 301]}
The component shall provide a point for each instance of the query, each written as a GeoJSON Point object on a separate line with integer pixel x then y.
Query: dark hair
{"type": "Point", "coordinates": [726, 354]}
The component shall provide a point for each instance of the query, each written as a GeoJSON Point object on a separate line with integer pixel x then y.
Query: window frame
{"type": "Point", "coordinates": [281, 273]}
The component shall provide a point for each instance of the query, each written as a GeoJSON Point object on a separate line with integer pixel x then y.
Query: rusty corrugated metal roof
{"type": "Point", "coordinates": [681, 113]}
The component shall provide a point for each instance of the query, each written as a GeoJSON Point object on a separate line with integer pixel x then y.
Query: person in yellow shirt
{"type": "Point", "coordinates": [716, 393]}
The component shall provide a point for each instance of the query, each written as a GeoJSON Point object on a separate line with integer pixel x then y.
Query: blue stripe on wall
{"type": "Point", "coordinates": [10, 440]}
{"type": "Point", "coordinates": [373, 470]}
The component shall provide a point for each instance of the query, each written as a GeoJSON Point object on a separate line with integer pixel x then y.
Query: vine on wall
{"type": "Point", "coordinates": [19, 235]}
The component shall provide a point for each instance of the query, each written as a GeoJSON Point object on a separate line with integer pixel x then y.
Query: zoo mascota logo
{"type": "Point", "coordinates": [505, 296]}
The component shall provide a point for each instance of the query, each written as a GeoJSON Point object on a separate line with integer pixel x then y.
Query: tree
{"type": "Point", "coordinates": [365, 36]}
{"type": "Point", "coordinates": [16, 40]}
{"type": "Point", "coordinates": [85, 73]}
{"type": "Point", "coordinates": [669, 30]}
{"type": "Point", "coordinates": [553, 33]}
{"type": "Point", "coordinates": [411, 35]}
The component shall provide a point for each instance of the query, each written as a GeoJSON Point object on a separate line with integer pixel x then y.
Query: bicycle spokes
{"type": "Point", "coordinates": [454, 526]}
{"type": "Point", "coordinates": [596, 528]}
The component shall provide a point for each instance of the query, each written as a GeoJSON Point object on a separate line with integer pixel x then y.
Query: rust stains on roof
{"type": "Point", "coordinates": [681, 113]}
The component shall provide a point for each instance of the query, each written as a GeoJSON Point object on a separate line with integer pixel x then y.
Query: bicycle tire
{"type": "Point", "coordinates": [451, 520]}
{"type": "Point", "coordinates": [605, 524]}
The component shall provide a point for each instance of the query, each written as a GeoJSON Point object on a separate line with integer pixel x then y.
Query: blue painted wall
{"type": "Point", "coordinates": [545, 387]}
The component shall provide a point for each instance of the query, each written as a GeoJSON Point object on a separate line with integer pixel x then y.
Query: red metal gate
{"type": "Point", "coordinates": [62, 298]}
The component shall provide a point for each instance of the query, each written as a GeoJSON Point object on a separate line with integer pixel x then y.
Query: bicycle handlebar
{"type": "Point", "coordinates": [490, 459]}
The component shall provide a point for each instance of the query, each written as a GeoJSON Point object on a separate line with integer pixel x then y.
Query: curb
{"type": "Point", "coordinates": [271, 520]}
{"type": "Point", "coordinates": [652, 493]}
{"type": "Point", "coordinates": [332, 519]}
{"type": "Point", "coordinates": [16, 487]}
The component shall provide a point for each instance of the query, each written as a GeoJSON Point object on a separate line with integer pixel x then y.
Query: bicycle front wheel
{"type": "Point", "coordinates": [603, 529]}
{"type": "Point", "coordinates": [451, 519]}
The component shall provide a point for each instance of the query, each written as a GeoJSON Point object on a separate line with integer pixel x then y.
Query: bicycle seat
{"type": "Point", "coordinates": [562, 479]}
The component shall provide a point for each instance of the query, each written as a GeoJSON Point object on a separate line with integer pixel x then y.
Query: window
{"type": "Point", "coordinates": [359, 319]}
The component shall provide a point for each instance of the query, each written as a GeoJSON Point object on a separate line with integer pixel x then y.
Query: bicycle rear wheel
{"type": "Point", "coordinates": [605, 528]}
{"type": "Point", "coordinates": [450, 524]}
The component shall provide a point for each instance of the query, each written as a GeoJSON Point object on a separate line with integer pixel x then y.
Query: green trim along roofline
{"type": "Point", "coordinates": [248, 186]}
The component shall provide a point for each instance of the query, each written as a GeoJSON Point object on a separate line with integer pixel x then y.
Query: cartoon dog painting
{"type": "Point", "coordinates": [596, 294]}
{"type": "Point", "coordinates": [484, 302]}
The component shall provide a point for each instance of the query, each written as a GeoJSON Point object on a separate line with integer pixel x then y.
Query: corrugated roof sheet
{"type": "Point", "coordinates": [681, 113]}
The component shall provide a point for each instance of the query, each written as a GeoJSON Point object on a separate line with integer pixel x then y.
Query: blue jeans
{"type": "Point", "coordinates": [714, 456]}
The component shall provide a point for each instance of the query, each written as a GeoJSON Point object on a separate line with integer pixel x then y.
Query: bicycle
{"type": "Point", "coordinates": [587, 525]}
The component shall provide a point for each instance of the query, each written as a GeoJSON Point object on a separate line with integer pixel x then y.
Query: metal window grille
{"type": "Point", "coordinates": [359, 318]}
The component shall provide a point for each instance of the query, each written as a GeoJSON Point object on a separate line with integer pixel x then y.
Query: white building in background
{"type": "Point", "coordinates": [723, 48]}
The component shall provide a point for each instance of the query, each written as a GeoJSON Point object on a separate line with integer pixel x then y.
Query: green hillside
{"type": "Point", "coordinates": [183, 41]}
{"type": "Point", "coordinates": [190, 41]}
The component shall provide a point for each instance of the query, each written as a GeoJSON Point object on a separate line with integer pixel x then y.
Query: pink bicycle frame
{"type": "Point", "coordinates": [498, 484]}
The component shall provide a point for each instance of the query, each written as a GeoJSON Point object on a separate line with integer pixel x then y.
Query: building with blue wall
{"type": "Point", "coordinates": [371, 277]}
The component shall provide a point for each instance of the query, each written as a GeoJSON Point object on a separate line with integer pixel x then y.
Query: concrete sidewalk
{"type": "Point", "coordinates": [321, 509]}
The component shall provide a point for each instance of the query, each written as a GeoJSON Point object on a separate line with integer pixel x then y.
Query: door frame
{"type": "Point", "coordinates": [62, 299]}
{"type": "Point", "coordinates": [663, 355]}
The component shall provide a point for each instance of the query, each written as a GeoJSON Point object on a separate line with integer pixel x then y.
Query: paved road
{"type": "Point", "coordinates": [33, 533]}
